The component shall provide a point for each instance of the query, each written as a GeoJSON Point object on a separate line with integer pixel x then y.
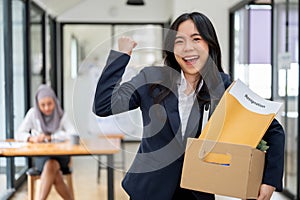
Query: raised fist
{"type": "Point", "coordinates": [126, 44]}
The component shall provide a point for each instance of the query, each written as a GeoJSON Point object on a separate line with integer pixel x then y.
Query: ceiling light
{"type": "Point", "coordinates": [135, 2]}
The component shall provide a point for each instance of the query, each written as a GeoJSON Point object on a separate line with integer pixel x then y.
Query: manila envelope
{"type": "Point", "coordinates": [241, 117]}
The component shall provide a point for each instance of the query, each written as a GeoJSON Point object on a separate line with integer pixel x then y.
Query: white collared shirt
{"type": "Point", "coordinates": [31, 124]}
{"type": "Point", "coordinates": [185, 102]}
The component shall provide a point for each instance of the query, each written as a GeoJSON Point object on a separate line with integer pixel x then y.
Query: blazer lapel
{"type": "Point", "coordinates": [194, 121]}
{"type": "Point", "coordinates": [171, 106]}
{"type": "Point", "coordinates": [194, 124]}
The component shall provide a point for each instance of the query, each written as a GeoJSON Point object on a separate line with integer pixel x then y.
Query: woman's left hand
{"type": "Point", "coordinates": [47, 138]}
{"type": "Point", "coordinates": [265, 192]}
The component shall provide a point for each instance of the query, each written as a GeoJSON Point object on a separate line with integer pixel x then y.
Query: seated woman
{"type": "Point", "coordinates": [44, 122]}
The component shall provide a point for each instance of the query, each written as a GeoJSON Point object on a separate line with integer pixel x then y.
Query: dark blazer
{"type": "Point", "coordinates": [156, 169]}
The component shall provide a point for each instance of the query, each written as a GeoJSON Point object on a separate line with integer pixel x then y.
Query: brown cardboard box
{"type": "Point", "coordinates": [241, 178]}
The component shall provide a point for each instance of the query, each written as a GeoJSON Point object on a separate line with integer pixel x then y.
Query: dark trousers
{"type": "Point", "coordinates": [185, 194]}
{"type": "Point", "coordinates": [182, 194]}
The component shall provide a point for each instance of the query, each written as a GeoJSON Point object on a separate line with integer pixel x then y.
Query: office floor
{"type": "Point", "coordinates": [85, 180]}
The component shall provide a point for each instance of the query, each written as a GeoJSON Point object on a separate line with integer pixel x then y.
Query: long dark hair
{"type": "Point", "coordinates": [207, 32]}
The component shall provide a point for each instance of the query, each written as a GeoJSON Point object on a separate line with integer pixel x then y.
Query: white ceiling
{"type": "Point", "coordinates": [107, 10]}
{"type": "Point", "coordinates": [57, 7]}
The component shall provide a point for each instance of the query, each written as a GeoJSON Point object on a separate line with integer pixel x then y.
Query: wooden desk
{"type": "Point", "coordinates": [113, 135]}
{"type": "Point", "coordinates": [88, 146]}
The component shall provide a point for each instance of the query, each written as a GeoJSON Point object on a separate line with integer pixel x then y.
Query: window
{"type": "Point", "coordinates": [18, 9]}
{"type": "Point", "coordinates": [37, 50]}
{"type": "Point", "coordinates": [252, 48]}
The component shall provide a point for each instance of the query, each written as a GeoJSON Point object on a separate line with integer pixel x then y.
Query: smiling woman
{"type": "Point", "coordinates": [172, 99]}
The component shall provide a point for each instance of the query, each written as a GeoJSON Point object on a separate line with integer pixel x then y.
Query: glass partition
{"type": "Point", "coordinates": [252, 48]}
{"type": "Point", "coordinates": [286, 81]}
{"type": "Point", "coordinates": [2, 99]}
{"type": "Point", "coordinates": [50, 53]}
{"type": "Point", "coordinates": [18, 26]}
{"type": "Point", "coordinates": [265, 54]}
{"type": "Point", "coordinates": [36, 49]}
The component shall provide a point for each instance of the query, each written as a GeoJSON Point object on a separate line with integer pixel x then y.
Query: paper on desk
{"type": "Point", "coordinates": [7, 145]}
{"type": "Point", "coordinates": [241, 117]}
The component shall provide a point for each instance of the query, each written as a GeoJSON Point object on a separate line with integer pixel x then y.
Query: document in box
{"type": "Point", "coordinates": [241, 117]}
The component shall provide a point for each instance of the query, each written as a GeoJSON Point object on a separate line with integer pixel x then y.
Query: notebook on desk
{"type": "Point", "coordinates": [7, 145]}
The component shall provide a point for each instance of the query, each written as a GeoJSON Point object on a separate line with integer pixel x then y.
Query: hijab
{"type": "Point", "coordinates": [49, 124]}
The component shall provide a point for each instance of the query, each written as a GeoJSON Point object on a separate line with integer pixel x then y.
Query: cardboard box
{"type": "Point", "coordinates": [241, 178]}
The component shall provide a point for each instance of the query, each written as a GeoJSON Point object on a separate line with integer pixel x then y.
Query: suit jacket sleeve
{"type": "Point", "coordinates": [111, 97]}
{"type": "Point", "coordinates": [274, 161]}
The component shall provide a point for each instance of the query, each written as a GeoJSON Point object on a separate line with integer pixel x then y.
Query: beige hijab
{"type": "Point", "coordinates": [49, 124]}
